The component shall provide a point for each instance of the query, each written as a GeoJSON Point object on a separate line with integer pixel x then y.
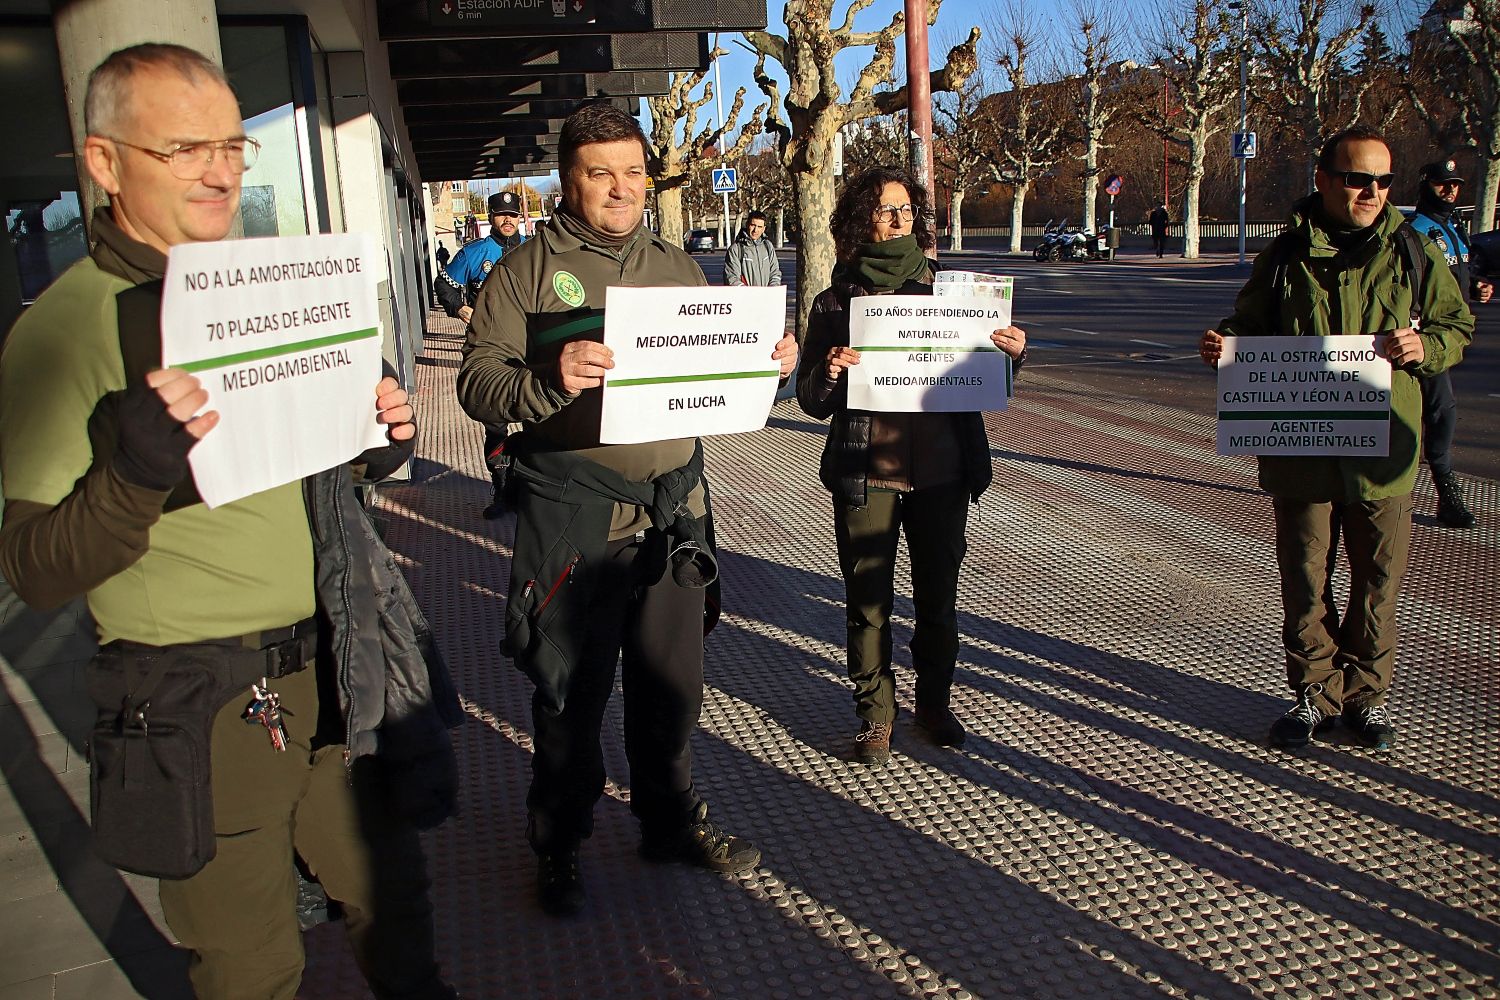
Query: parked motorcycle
{"type": "Point", "coordinates": [1078, 243]}
{"type": "Point", "coordinates": [1052, 241]}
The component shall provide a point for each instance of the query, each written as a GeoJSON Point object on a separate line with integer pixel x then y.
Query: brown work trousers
{"type": "Point", "coordinates": [238, 915]}
{"type": "Point", "coordinates": [1353, 655]}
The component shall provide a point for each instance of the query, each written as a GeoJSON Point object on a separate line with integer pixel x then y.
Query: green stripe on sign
{"type": "Point", "coordinates": [930, 348]}
{"type": "Point", "coordinates": [581, 325]}
{"type": "Point", "coordinates": [667, 379]}
{"type": "Point", "coordinates": [230, 360]}
{"type": "Point", "coordinates": [1305, 415]}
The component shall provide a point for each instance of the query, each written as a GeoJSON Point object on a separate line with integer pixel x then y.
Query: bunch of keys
{"type": "Point", "coordinates": [265, 708]}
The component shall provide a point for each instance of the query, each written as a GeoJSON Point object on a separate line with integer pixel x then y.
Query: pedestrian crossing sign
{"type": "Point", "coordinates": [726, 180]}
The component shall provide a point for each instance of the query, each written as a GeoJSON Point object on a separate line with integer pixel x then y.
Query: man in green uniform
{"type": "Point", "coordinates": [611, 555]}
{"type": "Point", "coordinates": [99, 501]}
{"type": "Point", "coordinates": [1340, 268]}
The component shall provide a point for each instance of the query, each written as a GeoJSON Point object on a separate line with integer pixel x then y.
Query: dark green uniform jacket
{"type": "Point", "coordinates": [1366, 290]}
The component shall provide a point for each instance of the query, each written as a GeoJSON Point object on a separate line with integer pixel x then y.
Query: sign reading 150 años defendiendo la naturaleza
{"type": "Point", "coordinates": [284, 335]}
{"type": "Point", "coordinates": [1304, 396]}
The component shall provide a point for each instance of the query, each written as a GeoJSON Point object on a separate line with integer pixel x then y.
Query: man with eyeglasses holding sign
{"type": "Point", "coordinates": [1342, 267]}
{"type": "Point", "coordinates": [253, 701]}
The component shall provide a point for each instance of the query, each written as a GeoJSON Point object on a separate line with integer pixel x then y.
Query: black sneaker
{"type": "Point", "coordinates": [1372, 725]}
{"type": "Point", "coordinates": [704, 844]}
{"type": "Point", "coordinates": [1295, 728]}
{"type": "Point", "coordinates": [872, 744]}
{"type": "Point", "coordinates": [559, 883]}
{"type": "Point", "coordinates": [941, 726]}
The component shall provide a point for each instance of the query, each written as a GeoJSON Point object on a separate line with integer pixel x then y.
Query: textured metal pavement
{"type": "Point", "coordinates": [1116, 825]}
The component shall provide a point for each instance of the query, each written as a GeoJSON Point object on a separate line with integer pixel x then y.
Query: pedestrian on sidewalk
{"type": "Point", "coordinates": [1346, 237]}
{"type": "Point", "coordinates": [1160, 220]}
{"type": "Point", "coordinates": [1436, 219]}
{"type": "Point", "coordinates": [613, 551]}
{"type": "Point", "coordinates": [212, 619]}
{"type": "Point", "coordinates": [893, 472]}
{"type": "Point", "coordinates": [751, 259]}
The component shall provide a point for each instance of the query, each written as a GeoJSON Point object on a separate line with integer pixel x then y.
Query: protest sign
{"type": "Point", "coordinates": [689, 361]}
{"type": "Point", "coordinates": [920, 353]}
{"type": "Point", "coordinates": [1304, 396]}
{"type": "Point", "coordinates": [284, 335]}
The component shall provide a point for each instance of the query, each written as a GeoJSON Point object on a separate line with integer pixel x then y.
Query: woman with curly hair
{"type": "Point", "coordinates": [892, 472]}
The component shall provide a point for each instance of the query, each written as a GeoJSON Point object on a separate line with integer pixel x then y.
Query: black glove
{"type": "Point", "coordinates": [153, 445]}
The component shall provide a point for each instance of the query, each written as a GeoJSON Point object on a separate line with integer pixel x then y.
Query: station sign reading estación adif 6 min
{"type": "Point", "coordinates": [499, 13]}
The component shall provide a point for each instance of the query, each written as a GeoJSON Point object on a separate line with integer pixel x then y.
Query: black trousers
{"type": "Point", "coordinates": [654, 628]}
{"type": "Point", "coordinates": [1439, 421]}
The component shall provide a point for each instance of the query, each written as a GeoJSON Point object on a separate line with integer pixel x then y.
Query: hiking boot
{"type": "Point", "coordinates": [1295, 728]}
{"type": "Point", "coordinates": [1372, 725]}
{"type": "Point", "coordinates": [941, 726]}
{"type": "Point", "coordinates": [701, 843]}
{"type": "Point", "coordinates": [559, 883]}
{"type": "Point", "coordinates": [872, 744]}
{"type": "Point", "coordinates": [1451, 509]}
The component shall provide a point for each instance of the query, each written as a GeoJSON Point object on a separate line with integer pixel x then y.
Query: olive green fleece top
{"type": "Point", "coordinates": [1347, 283]}
{"type": "Point", "coordinates": [539, 297]}
{"type": "Point", "coordinates": [71, 528]}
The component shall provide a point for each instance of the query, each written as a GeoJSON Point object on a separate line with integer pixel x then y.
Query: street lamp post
{"type": "Point", "coordinates": [723, 159]}
{"type": "Point", "coordinates": [1243, 7]}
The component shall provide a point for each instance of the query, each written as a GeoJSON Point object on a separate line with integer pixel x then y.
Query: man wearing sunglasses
{"type": "Point", "coordinates": [1340, 268]}
{"type": "Point", "coordinates": [100, 502]}
{"type": "Point", "coordinates": [1436, 219]}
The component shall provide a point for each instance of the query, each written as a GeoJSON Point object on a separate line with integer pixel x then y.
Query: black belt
{"type": "Point", "coordinates": [287, 649]}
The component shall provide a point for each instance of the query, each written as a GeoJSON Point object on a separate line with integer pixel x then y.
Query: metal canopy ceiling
{"type": "Point", "coordinates": [484, 84]}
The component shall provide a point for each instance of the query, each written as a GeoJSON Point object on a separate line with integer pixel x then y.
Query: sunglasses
{"type": "Point", "coordinates": [1359, 179]}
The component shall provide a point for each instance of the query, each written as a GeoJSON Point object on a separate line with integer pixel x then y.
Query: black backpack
{"type": "Point", "coordinates": [1408, 247]}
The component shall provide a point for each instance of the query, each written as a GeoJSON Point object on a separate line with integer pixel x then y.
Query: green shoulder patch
{"type": "Point", "coordinates": [568, 288]}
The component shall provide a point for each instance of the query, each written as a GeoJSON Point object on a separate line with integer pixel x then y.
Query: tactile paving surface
{"type": "Point", "coordinates": [1116, 825]}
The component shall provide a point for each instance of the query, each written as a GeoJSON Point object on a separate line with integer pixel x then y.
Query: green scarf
{"type": "Point", "coordinates": [580, 229]}
{"type": "Point", "coordinates": [122, 256]}
{"type": "Point", "coordinates": [886, 266]}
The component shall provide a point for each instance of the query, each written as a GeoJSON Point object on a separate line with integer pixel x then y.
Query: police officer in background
{"type": "Point", "coordinates": [457, 290]}
{"type": "Point", "coordinates": [1436, 219]}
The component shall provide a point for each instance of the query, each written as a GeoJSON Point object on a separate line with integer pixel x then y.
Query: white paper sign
{"type": "Point", "coordinates": [999, 287]}
{"type": "Point", "coordinates": [285, 337]}
{"type": "Point", "coordinates": [1304, 396]}
{"type": "Point", "coordinates": [922, 353]}
{"type": "Point", "coordinates": [689, 361]}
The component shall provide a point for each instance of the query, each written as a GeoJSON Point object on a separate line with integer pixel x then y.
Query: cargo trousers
{"type": "Point", "coordinates": [1351, 655]}
{"type": "Point", "coordinates": [238, 914]}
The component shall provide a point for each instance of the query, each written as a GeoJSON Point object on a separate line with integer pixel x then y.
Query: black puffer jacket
{"type": "Point", "coordinates": [844, 468]}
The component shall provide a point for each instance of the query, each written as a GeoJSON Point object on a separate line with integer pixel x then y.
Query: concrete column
{"type": "Point", "coordinates": [89, 30]}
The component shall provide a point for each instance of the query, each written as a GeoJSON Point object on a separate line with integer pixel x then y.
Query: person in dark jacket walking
{"type": "Point", "coordinates": [442, 255]}
{"type": "Point", "coordinates": [892, 472]}
{"type": "Point", "coordinates": [1159, 220]}
{"type": "Point", "coordinates": [751, 259]}
{"type": "Point", "coordinates": [1435, 218]}
{"type": "Point", "coordinates": [290, 587]}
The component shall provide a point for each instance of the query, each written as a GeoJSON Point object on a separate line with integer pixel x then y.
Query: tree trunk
{"type": "Point", "coordinates": [1017, 214]}
{"type": "Point", "coordinates": [815, 251]}
{"type": "Point", "coordinates": [780, 228]}
{"type": "Point", "coordinates": [1489, 187]}
{"type": "Point", "coordinates": [955, 220]}
{"type": "Point", "coordinates": [1090, 192]}
{"type": "Point", "coordinates": [669, 215]}
{"type": "Point", "coordinates": [1190, 198]}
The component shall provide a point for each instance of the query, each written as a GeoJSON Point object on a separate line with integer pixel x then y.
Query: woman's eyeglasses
{"type": "Point", "coordinates": [191, 161]}
{"type": "Point", "coordinates": [888, 213]}
{"type": "Point", "coordinates": [1360, 180]}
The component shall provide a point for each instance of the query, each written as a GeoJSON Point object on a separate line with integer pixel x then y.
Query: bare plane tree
{"type": "Point", "coordinates": [1096, 39]}
{"type": "Point", "coordinates": [1196, 54]}
{"type": "Point", "coordinates": [814, 109]}
{"type": "Point", "coordinates": [1034, 135]}
{"type": "Point", "coordinates": [1306, 43]}
{"type": "Point", "coordinates": [966, 135]}
{"type": "Point", "coordinates": [673, 161]}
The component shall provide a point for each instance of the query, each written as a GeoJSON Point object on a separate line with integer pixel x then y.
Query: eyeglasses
{"type": "Point", "coordinates": [1360, 180]}
{"type": "Point", "coordinates": [888, 213]}
{"type": "Point", "coordinates": [190, 161]}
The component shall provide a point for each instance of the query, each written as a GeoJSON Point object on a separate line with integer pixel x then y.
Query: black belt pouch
{"type": "Point", "coordinates": [149, 787]}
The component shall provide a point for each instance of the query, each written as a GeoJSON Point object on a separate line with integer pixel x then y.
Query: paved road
{"type": "Point", "coordinates": [1132, 327]}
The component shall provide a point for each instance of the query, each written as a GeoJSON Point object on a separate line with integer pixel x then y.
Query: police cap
{"type": "Point", "coordinates": [505, 203]}
{"type": "Point", "coordinates": [1443, 170]}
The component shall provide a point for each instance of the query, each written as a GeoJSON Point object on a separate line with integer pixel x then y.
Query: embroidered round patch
{"type": "Point", "coordinates": [1450, 166]}
{"type": "Point", "coordinates": [487, 265]}
{"type": "Point", "coordinates": [568, 288]}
